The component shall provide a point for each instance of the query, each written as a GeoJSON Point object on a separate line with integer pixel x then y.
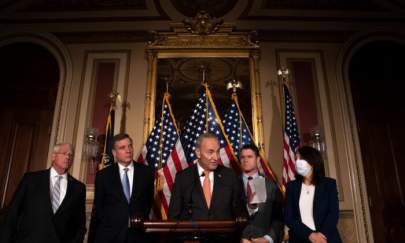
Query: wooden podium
{"type": "Point", "coordinates": [192, 231]}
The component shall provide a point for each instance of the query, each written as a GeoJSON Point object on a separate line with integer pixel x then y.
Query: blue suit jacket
{"type": "Point", "coordinates": [325, 210]}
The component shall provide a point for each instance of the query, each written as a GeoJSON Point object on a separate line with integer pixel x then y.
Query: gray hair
{"type": "Point", "coordinates": [204, 136]}
{"type": "Point", "coordinates": [57, 146]}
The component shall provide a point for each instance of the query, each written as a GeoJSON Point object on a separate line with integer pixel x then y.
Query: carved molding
{"type": "Point", "coordinates": [213, 34]}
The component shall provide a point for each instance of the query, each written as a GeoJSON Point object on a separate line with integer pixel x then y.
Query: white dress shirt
{"type": "Point", "coordinates": [130, 174]}
{"type": "Point", "coordinates": [53, 176]}
{"type": "Point", "coordinates": [306, 205]}
{"type": "Point", "coordinates": [201, 175]}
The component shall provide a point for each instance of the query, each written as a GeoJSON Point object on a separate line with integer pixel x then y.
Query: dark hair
{"type": "Point", "coordinates": [314, 158]}
{"type": "Point", "coordinates": [119, 137]}
{"type": "Point", "coordinates": [250, 146]}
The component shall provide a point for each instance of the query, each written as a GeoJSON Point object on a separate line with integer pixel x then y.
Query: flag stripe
{"type": "Point", "coordinates": [156, 153]}
{"type": "Point", "coordinates": [290, 139]}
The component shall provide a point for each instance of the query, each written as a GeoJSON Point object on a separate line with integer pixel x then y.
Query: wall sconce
{"type": "Point", "coordinates": [91, 147]}
{"type": "Point", "coordinates": [317, 141]}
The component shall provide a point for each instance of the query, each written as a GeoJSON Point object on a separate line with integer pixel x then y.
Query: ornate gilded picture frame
{"type": "Point", "coordinates": [204, 38]}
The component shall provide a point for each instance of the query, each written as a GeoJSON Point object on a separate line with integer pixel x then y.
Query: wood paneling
{"type": "Point", "coordinates": [376, 79]}
{"type": "Point", "coordinates": [30, 75]}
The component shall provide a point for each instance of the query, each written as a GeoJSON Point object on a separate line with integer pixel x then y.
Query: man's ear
{"type": "Point", "coordinates": [113, 152]}
{"type": "Point", "coordinates": [258, 161]}
{"type": "Point", "coordinates": [53, 157]}
{"type": "Point", "coordinates": [198, 153]}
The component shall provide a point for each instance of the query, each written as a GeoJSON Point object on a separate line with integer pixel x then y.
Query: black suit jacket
{"type": "Point", "coordinates": [325, 210]}
{"type": "Point", "coordinates": [268, 220]}
{"type": "Point", "coordinates": [188, 201]}
{"type": "Point", "coordinates": [111, 210]}
{"type": "Point", "coordinates": [30, 217]}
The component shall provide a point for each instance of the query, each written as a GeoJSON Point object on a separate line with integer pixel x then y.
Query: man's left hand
{"type": "Point", "coordinates": [260, 240]}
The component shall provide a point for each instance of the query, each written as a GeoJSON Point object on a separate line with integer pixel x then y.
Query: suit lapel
{"type": "Point", "coordinates": [198, 187]}
{"type": "Point", "coordinates": [317, 198]}
{"type": "Point", "coordinates": [47, 193]}
{"type": "Point", "coordinates": [244, 199]}
{"type": "Point", "coordinates": [116, 182]}
{"type": "Point", "coordinates": [217, 187]}
{"type": "Point", "coordinates": [136, 183]}
{"type": "Point", "coordinates": [297, 196]}
{"type": "Point", "coordinates": [68, 196]}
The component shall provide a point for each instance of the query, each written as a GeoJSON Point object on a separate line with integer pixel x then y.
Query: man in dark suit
{"type": "Point", "coordinates": [206, 190]}
{"type": "Point", "coordinates": [122, 190]}
{"type": "Point", "coordinates": [265, 218]}
{"type": "Point", "coordinates": [49, 205]}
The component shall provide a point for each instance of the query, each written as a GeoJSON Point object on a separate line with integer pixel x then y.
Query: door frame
{"type": "Point", "coordinates": [355, 162]}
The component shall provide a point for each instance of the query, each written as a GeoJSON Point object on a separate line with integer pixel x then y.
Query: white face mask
{"type": "Point", "coordinates": [303, 167]}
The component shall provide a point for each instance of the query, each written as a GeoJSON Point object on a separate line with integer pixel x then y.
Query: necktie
{"type": "Point", "coordinates": [249, 192]}
{"type": "Point", "coordinates": [125, 184]}
{"type": "Point", "coordinates": [207, 188]}
{"type": "Point", "coordinates": [56, 194]}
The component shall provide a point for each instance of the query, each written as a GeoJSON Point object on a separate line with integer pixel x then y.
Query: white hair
{"type": "Point", "coordinates": [57, 146]}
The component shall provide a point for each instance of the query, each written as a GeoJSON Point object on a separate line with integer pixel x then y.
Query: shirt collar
{"type": "Point", "coordinates": [201, 170]}
{"type": "Point", "coordinates": [130, 166]}
{"type": "Point", "coordinates": [245, 176]}
{"type": "Point", "coordinates": [55, 174]}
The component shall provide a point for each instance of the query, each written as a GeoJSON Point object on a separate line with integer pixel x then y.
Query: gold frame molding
{"type": "Point", "coordinates": [223, 43]}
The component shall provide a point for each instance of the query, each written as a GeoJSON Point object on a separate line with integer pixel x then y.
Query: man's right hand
{"type": "Point", "coordinates": [317, 237]}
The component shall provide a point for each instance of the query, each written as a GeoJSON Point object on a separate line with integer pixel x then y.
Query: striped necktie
{"type": "Point", "coordinates": [56, 194]}
{"type": "Point", "coordinates": [125, 185]}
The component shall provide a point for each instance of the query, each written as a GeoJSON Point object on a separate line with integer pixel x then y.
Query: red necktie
{"type": "Point", "coordinates": [249, 193]}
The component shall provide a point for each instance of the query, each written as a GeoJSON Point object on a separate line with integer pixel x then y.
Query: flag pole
{"type": "Point", "coordinates": [165, 96]}
{"type": "Point", "coordinates": [283, 72]}
{"type": "Point", "coordinates": [112, 102]}
{"type": "Point", "coordinates": [204, 83]}
{"type": "Point", "coordinates": [158, 184]}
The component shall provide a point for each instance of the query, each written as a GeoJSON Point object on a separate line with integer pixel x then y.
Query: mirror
{"type": "Point", "coordinates": [183, 77]}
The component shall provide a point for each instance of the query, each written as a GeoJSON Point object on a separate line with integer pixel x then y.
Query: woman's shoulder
{"type": "Point", "coordinates": [293, 184]}
{"type": "Point", "coordinates": [328, 181]}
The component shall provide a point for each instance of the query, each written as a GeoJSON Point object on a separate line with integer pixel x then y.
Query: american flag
{"type": "Point", "coordinates": [214, 125]}
{"type": "Point", "coordinates": [291, 139]}
{"type": "Point", "coordinates": [239, 134]}
{"type": "Point", "coordinates": [204, 117]}
{"type": "Point", "coordinates": [156, 151]}
{"type": "Point", "coordinates": [236, 128]}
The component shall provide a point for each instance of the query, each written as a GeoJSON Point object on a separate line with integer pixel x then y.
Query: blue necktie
{"type": "Point", "coordinates": [125, 184]}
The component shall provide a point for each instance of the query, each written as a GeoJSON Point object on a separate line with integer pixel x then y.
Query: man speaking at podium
{"type": "Point", "coordinates": [206, 190]}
